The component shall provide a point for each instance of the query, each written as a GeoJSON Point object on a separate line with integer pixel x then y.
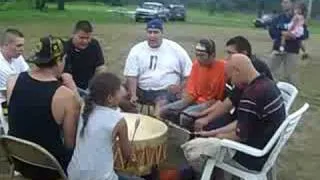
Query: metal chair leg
{"type": "Point", "coordinates": [149, 110]}
{"type": "Point", "coordinates": [12, 171]}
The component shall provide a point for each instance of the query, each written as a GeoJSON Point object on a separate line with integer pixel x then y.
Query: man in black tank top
{"type": "Point", "coordinates": [44, 106]}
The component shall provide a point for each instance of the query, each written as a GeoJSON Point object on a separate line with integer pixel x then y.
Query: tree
{"type": "Point", "coordinates": [260, 8]}
{"type": "Point", "coordinates": [61, 5]}
{"type": "Point", "coordinates": [41, 5]}
{"type": "Point", "coordinates": [309, 9]}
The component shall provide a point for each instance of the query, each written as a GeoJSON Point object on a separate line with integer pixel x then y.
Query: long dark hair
{"type": "Point", "coordinates": [100, 87]}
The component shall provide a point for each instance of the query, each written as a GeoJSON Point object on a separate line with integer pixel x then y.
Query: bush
{"type": "Point", "coordinates": [15, 4]}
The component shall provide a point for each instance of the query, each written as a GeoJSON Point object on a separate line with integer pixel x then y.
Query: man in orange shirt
{"type": "Point", "coordinates": [206, 84]}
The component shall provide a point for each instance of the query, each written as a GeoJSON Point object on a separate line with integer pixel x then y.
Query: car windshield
{"type": "Point", "coordinates": [177, 8]}
{"type": "Point", "coordinates": [150, 6]}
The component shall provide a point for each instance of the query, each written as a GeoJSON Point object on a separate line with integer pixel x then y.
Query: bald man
{"type": "Point", "coordinates": [260, 111]}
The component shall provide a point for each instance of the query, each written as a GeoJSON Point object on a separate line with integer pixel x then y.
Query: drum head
{"type": "Point", "coordinates": [149, 128]}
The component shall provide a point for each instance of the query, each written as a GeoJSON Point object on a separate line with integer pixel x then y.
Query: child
{"type": "Point", "coordinates": [101, 124]}
{"type": "Point", "coordinates": [295, 28]}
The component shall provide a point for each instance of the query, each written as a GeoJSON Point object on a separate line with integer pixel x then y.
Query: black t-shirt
{"type": "Point", "coordinates": [260, 112]}
{"type": "Point", "coordinates": [82, 64]}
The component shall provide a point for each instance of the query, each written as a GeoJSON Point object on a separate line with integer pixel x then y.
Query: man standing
{"type": "Point", "coordinates": [156, 69]}
{"type": "Point", "coordinates": [290, 57]}
{"type": "Point", "coordinates": [11, 59]}
{"type": "Point", "coordinates": [84, 54]}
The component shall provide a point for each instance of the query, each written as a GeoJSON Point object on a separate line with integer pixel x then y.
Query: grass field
{"type": "Point", "coordinates": [117, 34]}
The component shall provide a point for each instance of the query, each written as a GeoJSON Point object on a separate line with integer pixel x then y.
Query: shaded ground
{"type": "Point", "coordinates": [299, 160]}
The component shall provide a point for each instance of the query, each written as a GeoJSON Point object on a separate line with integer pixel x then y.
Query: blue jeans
{"type": "Point", "coordinates": [172, 112]}
{"type": "Point", "coordinates": [151, 96]}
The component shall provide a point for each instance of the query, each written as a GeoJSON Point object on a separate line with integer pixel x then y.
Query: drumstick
{"type": "Point", "coordinates": [178, 127]}
{"type": "Point", "coordinates": [136, 125]}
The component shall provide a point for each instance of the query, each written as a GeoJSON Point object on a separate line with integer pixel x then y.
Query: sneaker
{"type": "Point", "coordinates": [305, 56]}
{"type": "Point", "coordinates": [281, 49]}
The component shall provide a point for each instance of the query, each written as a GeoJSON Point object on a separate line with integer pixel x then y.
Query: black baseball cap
{"type": "Point", "coordinates": [47, 50]}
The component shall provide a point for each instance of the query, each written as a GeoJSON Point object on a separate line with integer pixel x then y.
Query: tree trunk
{"type": "Point", "coordinates": [260, 8]}
{"type": "Point", "coordinates": [40, 4]}
{"type": "Point", "coordinates": [309, 9]}
{"type": "Point", "coordinates": [61, 5]}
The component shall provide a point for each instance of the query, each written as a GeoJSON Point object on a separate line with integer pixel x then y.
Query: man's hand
{"type": "Point", "coordinates": [199, 124]}
{"type": "Point", "coordinates": [212, 133]}
{"type": "Point", "coordinates": [133, 99]}
{"type": "Point", "coordinates": [174, 89]}
{"type": "Point", "coordinates": [68, 81]}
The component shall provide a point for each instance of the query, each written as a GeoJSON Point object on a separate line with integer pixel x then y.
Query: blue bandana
{"type": "Point", "coordinates": [155, 24]}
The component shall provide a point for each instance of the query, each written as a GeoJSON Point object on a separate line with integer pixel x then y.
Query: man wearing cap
{"type": "Point", "coordinates": [205, 86]}
{"type": "Point", "coordinates": [42, 108]}
{"type": "Point", "coordinates": [11, 59]}
{"type": "Point", "coordinates": [156, 68]}
{"type": "Point", "coordinates": [84, 54]}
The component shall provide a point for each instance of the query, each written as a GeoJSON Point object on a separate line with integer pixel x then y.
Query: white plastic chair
{"type": "Point", "coordinates": [289, 94]}
{"type": "Point", "coordinates": [277, 141]}
{"type": "Point", "coordinates": [29, 153]}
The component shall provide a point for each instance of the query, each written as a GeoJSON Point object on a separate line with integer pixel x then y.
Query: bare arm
{"type": "Point", "coordinates": [224, 131]}
{"type": "Point", "coordinates": [221, 108]}
{"type": "Point", "coordinates": [121, 131]}
{"type": "Point", "coordinates": [100, 69]}
{"type": "Point", "coordinates": [70, 119]}
{"type": "Point", "coordinates": [231, 135]}
{"type": "Point", "coordinates": [132, 85]}
{"type": "Point", "coordinates": [10, 85]}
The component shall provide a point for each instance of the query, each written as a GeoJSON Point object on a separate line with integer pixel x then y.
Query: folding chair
{"type": "Point", "coordinates": [18, 150]}
{"type": "Point", "coordinates": [274, 146]}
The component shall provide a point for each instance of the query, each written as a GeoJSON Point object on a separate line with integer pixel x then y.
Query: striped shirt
{"type": "Point", "coordinates": [260, 112]}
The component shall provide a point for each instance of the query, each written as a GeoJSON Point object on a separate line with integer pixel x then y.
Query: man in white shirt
{"type": "Point", "coordinates": [11, 59]}
{"type": "Point", "coordinates": [156, 69]}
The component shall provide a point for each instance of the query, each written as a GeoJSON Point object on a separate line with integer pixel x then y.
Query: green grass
{"type": "Point", "coordinates": [100, 13]}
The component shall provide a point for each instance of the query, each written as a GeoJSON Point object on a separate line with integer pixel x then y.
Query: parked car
{"type": "Point", "coordinates": [151, 10]}
{"type": "Point", "coordinates": [177, 12]}
{"type": "Point", "coordinates": [264, 21]}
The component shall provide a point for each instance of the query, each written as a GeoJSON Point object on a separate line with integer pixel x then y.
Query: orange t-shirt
{"type": "Point", "coordinates": [206, 82]}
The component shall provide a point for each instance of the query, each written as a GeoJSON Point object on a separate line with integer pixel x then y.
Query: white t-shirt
{"type": "Point", "coordinates": [7, 69]}
{"type": "Point", "coordinates": [158, 68]}
{"type": "Point", "coordinates": [93, 156]}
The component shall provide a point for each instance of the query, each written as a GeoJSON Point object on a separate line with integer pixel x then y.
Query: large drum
{"type": "Point", "coordinates": [149, 145]}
